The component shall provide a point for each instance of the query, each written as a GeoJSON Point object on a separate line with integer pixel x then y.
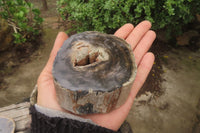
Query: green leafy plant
{"type": "Point", "coordinates": [108, 15]}
{"type": "Point", "coordinates": [23, 18]}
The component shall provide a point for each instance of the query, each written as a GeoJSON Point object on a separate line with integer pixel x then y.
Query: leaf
{"type": "Point", "coordinates": [36, 11]}
{"type": "Point", "coordinates": [30, 5]}
{"type": "Point", "coordinates": [106, 15]}
{"type": "Point", "coordinates": [17, 13]}
{"type": "Point", "coordinates": [21, 14]}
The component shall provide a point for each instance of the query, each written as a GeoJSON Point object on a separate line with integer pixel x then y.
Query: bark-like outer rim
{"type": "Point", "coordinates": [122, 93]}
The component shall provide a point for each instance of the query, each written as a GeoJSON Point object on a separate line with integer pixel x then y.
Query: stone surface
{"type": "Point", "coordinates": [7, 125]}
{"type": "Point", "coordinates": [93, 72]}
{"type": "Point", "coordinates": [17, 116]}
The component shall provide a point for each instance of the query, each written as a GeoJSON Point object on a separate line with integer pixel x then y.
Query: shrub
{"type": "Point", "coordinates": [23, 18]}
{"type": "Point", "coordinates": [108, 15]}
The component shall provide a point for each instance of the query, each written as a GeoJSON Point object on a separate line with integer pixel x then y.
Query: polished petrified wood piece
{"type": "Point", "coordinates": [93, 73]}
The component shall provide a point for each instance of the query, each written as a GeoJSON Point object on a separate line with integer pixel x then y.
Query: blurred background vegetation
{"type": "Point", "coordinates": [23, 18]}
{"type": "Point", "coordinates": [98, 15]}
{"type": "Point", "coordinates": [108, 15]}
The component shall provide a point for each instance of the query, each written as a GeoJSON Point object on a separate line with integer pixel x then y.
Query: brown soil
{"type": "Point", "coordinates": [12, 58]}
{"type": "Point", "coordinates": [154, 79]}
{"type": "Point", "coordinates": [160, 48]}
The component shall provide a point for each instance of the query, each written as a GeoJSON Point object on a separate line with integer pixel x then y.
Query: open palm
{"type": "Point", "coordinates": [140, 38]}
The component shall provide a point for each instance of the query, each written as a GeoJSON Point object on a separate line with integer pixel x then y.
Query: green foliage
{"type": "Point", "coordinates": [108, 15]}
{"type": "Point", "coordinates": [23, 18]}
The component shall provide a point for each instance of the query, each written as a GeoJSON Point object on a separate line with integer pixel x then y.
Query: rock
{"type": "Point", "coordinates": [93, 73]}
{"type": "Point", "coordinates": [7, 125]}
{"type": "Point", "coordinates": [144, 98]}
{"type": "Point", "coordinates": [185, 38]}
{"type": "Point", "coordinates": [11, 64]}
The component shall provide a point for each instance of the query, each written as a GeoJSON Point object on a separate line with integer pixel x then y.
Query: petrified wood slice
{"type": "Point", "coordinates": [93, 73]}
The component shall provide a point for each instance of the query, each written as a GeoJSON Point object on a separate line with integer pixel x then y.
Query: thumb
{"type": "Point", "coordinates": [61, 37]}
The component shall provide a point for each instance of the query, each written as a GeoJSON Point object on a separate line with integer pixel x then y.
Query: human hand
{"type": "Point", "coordinates": [140, 38]}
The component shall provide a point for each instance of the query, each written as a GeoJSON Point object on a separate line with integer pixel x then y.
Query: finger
{"type": "Point", "coordinates": [144, 45]}
{"type": "Point", "coordinates": [124, 31]}
{"type": "Point", "coordinates": [45, 80]}
{"type": "Point", "coordinates": [115, 118]}
{"type": "Point", "coordinates": [142, 73]}
{"type": "Point", "coordinates": [61, 37]}
{"type": "Point", "coordinates": [138, 32]}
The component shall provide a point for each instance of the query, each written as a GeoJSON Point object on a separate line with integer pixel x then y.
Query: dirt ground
{"type": "Point", "coordinates": [19, 69]}
{"type": "Point", "coordinates": [168, 102]}
{"type": "Point", "coordinates": [177, 110]}
{"type": "Point", "coordinates": [21, 82]}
